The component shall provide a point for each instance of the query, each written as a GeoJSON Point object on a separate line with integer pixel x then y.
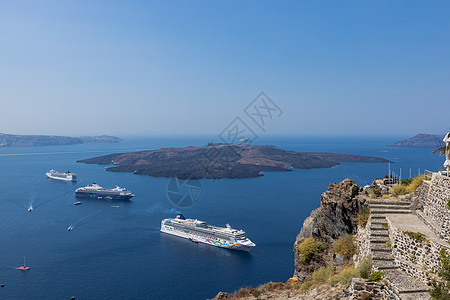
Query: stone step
{"type": "Point", "coordinates": [384, 256]}
{"type": "Point", "coordinates": [384, 206]}
{"type": "Point", "coordinates": [384, 265]}
{"type": "Point", "coordinates": [378, 216]}
{"type": "Point", "coordinates": [379, 233]}
{"type": "Point", "coordinates": [379, 239]}
{"type": "Point", "coordinates": [391, 211]}
{"type": "Point", "coordinates": [403, 283]}
{"type": "Point", "coordinates": [380, 248]}
{"type": "Point", "coordinates": [415, 296]}
{"type": "Point", "coordinates": [377, 221]}
{"type": "Point", "coordinates": [388, 202]}
{"type": "Point", "coordinates": [378, 226]}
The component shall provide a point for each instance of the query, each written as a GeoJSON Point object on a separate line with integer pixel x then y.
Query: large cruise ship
{"type": "Point", "coordinates": [199, 231]}
{"type": "Point", "coordinates": [97, 192]}
{"type": "Point", "coordinates": [67, 176]}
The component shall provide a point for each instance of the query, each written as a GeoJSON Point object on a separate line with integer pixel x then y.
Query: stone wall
{"type": "Point", "coordinates": [363, 289]}
{"type": "Point", "coordinates": [419, 259]}
{"type": "Point", "coordinates": [362, 238]}
{"type": "Point", "coordinates": [420, 195]}
{"type": "Point", "coordinates": [434, 203]}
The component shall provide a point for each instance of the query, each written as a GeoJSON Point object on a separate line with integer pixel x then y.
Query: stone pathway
{"type": "Point", "coordinates": [383, 260]}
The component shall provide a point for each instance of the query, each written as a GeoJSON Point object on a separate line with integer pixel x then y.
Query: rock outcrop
{"type": "Point", "coordinates": [216, 161]}
{"type": "Point", "coordinates": [334, 218]}
{"type": "Point", "coordinates": [422, 140]}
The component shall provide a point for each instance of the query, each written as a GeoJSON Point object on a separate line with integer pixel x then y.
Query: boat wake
{"type": "Point", "coordinates": [85, 220]}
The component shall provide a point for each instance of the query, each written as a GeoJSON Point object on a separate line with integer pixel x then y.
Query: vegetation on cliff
{"type": "Point", "coordinates": [325, 250]}
{"type": "Point", "coordinates": [333, 220]}
{"type": "Point", "coordinates": [346, 247]}
{"type": "Point", "coordinates": [408, 185]}
{"type": "Point", "coordinates": [362, 217]}
{"type": "Point", "coordinates": [441, 288]}
{"type": "Point", "coordinates": [310, 249]}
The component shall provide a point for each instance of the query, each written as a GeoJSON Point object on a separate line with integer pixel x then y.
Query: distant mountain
{"type": "Point", "coordinates": [422, 140]}
{"type": "Point", "coordinates": [221, 161]}
{"type": "Point", "coordinates": [48, 140]}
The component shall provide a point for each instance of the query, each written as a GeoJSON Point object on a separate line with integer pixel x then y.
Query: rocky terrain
{"type": "Point", "coordinates": [221, 161]}
{"type": "Point", "coordinates": [49, 140]}
{"type": "Point", "coordinates": [376, 242]}
{"type": "Point", "coordinates": [422, 140]}
{"type": "Point", "coordinates": [334, 218]}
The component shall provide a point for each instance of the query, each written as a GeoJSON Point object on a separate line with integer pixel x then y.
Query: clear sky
{"type": "Point", "coordinates": [190, 67]}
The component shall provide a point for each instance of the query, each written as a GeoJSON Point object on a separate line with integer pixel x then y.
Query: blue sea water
{"type": "Point", "coordinates": [119, 253]}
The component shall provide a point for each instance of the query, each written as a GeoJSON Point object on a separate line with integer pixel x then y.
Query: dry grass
{"type": "Point", "coordinates": [408, 186]}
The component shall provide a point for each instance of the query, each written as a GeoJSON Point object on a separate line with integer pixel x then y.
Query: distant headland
{"type": "Point", "coordinates": [49, 140]}
{"type": "Point", "coordinates": [215, 161]}
{"type": "Point", "coordinates": [422, 140]}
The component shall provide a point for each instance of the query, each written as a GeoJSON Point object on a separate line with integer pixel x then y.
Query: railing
{"type": "Point", "coordinates": [428, 175]}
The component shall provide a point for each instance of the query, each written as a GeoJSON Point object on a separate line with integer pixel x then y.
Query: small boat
{"type": "Point", "coordinates": [194, 241]}
{"type": "Point", "coordinates": [24, 267]}
{"type": "Point", "coordinates": [77, 203]}
{"type": "Point", "coordinates": [70, 228]}
{"type": "Point", "coordinates": [30, 208]}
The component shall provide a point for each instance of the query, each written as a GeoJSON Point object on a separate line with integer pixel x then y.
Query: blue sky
{"type": "Point", "coordinates": [190, 67]}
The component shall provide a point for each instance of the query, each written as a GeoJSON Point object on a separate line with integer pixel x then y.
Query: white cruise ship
{"type": "Point", "coordinates": [198, 231]}
{"type": "Point", "coordinates": [61, 176]}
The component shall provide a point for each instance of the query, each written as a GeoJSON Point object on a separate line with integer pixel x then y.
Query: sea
{"type": "Point", "coordinates": [116, 250]}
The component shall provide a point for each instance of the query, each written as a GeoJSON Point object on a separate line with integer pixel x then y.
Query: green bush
{"type": "Point", "coordinates": [441, 289]}
{"type": "Point", "coordinates": [322, 275]}
{"type": "Point", "coordinates": [345, 276]}
{"type": "Point", "coordinates": [365, 267]}
{"type": "Point", "coordinates": [306, 285]}
{"type": "Point", "coordinates": [418, 236]}
{"type": "Point", "coordinates": [399, 190]}
{"type": "Point", "coordinates": [376, 276]}
{"type": "Point", "coordinates": [311, 248]}
{"type": "Point", "coordinates": [385, 225]}
{"type": "Point", "coordinates": [256, 293]}
{"type": "Point", "coordinates": [408, 185]}
{"type": "Point", "coordinates": [363, 216]}
{"type": "Point", "coordinates": [345, 246]}
{"type": "Point", "coordinates": [407, 181]}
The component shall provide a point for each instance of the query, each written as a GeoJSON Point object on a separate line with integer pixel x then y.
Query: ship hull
{"type": "Point", "coordinates": [68, 178]}
{"type": "Point", "coordinates": [205, 239]}
{"type": "Point", "coordinates": [103, 196]}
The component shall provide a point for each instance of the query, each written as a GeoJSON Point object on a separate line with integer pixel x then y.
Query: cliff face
{"type": "Point", "coordinates": [333, 219]}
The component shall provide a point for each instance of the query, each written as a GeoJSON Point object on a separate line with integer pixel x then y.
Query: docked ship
{"type": "Point", "coordinates": [198, 231]}
{"type": "Point", "coordinates": [67, 176]}
{"type": "Point", "coordinates": [97, 192]}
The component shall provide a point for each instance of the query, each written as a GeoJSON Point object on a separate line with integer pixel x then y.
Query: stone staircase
{"type": "Point", "coordinates": [407, 287]}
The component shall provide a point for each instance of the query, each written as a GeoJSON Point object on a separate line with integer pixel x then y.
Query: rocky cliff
{"type": "Point", "coordinates": [334, 218]}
